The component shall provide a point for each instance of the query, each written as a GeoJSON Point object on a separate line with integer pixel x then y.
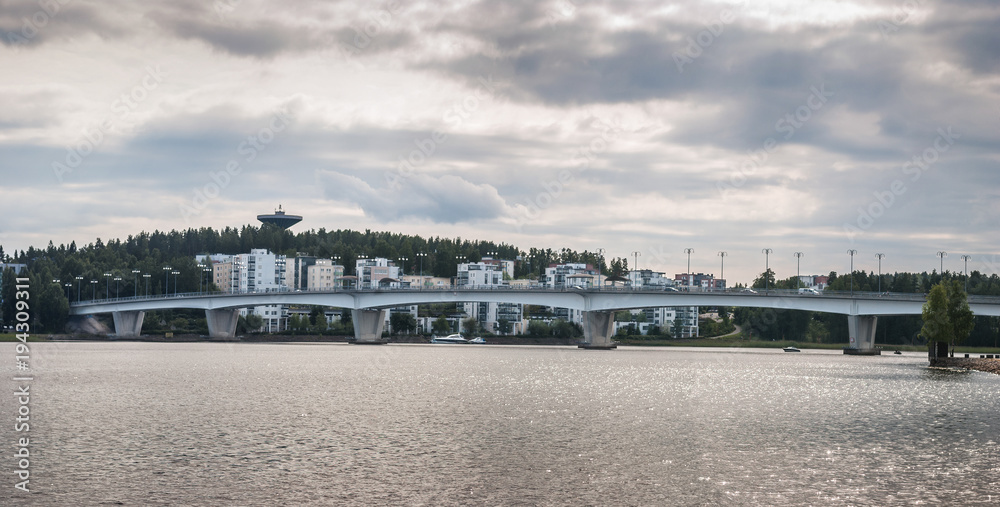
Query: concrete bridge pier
{"type": "Point", "coordinates": [598, 327]}
{"type": "Point", "coordinates": [368, 326]}
{"type": "Point", "coordinates": [861, 329]}
{"type": "Point", "coordinates": [222, 323]}
{"type": "Point", "coordinates": [128, 324]}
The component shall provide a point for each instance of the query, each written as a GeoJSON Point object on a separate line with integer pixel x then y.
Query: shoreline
{"type": "Point", "coordinates": [978, 364]}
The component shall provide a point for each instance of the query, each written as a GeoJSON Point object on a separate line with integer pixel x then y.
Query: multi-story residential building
{"type": "Point", "coordinates": [323, 275]}
{"type": "Point", "coordinates": [649, 278]}
{"type": "Point", "coordinates": [699, 281]}
{"type": "Point", "coordinates": [297, 274]}
{"type": "Point", "coordinates": [485, 274]}
{"type": "Point", "coordinates": [371, 271]}
{"type": "Point", "coordinates": [258, 271]}
{"type": "Point", "coordinates": [556, 275]}
{"type": "Point", "coordinates": [818, 282]}
{"type": "Point", "coordinates": [424, 281]}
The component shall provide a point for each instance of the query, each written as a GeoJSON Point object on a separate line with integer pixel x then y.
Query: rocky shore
{"type": "Point", "coordinates": [987, 365]}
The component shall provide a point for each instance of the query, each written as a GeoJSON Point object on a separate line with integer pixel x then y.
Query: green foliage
{"type": "Point", "coordinates": [538, 328]}
{"type": "Point", "coordinates": [947, 316]}
{"type": "Point", "coordinates": [503, 326]}
{"type": "Point", "coordinates": [441, 326]}
{"type": "Point", "coordinates": [402, 322]}
{"type": "Point", "coordinates": [470, 327]}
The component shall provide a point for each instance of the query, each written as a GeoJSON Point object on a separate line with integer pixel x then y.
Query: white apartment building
{"type": "Point", "coordinates": [258, 271]}
{"type": "Point", "coordinates": [371, 271]}
{"type": "Point", "coordinates": [557, 275]}
{"type": "Point", "coordinates": [323, 275]}
{"type": "Point", "coordinates": [486, 274]}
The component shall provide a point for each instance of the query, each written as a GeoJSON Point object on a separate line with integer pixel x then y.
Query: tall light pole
{"type": "Point", "coordinates": [107, 285]}
{"type": "Point", "coordinates": [68, 287]}
{"type": "Point", "coordinates": [690, 278]}
{"type": "Point", "coordinates": [880, 256]}
{"type": "Point", "coordinates": [402, 260]}
{"type": "Point", "coordinates": [722, 266]}
{"type": "Point", "coordinates": [166, 280]}
{"type": "Point", "coordinates": [336, 262]}
{"type": "Point", "coordinates": [767, 269]}
{"type": "Point", "coordinates": [135, 283]}
{"type": "Point", "coordinates": [117, 290]}
{"type": "Point", "coordinates": [600, 257]}
{"type": "Point", "coordinates": [942, 255]}
{"type": "Point", "coordinates": [421, 255]}
{"type": "Point", "coordinates": [966, 258]}
{"type": "Point", "coordinates": [175, 273]}
{"type": "Point", "coordinates": [798, 264]}
{"type": "Point", "coordinates": [147, 276]}
{"type": "Point", "coordinates": [205, 273]}
{"type": "Point", "coordinates": [78, 282]}
{"type": "Point", "coordinates": [635, 266]}
{"type": "Point", "coordinates": [852, 252]}
{"type": "Point", "coordinates": [93, 290]}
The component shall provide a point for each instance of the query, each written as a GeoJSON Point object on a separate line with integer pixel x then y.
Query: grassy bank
{"type": "Point", "coordinates": [11, 337]}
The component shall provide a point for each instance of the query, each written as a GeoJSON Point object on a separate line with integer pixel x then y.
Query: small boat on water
{"type": "Point", "coordinates": [898, 352]}
{"type": "Point", "coordinates": [478, 339]}
{"type": "Point", "coordinates": [791, 349]}
{"type": "Point", "coordinates": [452, 338]}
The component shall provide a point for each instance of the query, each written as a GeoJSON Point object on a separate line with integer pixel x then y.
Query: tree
{"type": "Point", "coordinates": [7, 289]}
{"type": "Point", "coordinates": [538, 328]}
{"type": "Point", "coordinates": [402, 322]}
{"type": "Point", "coordinates": [441, 325]}
{"type": "Point", "coordinates": [503, 326]}
{"type": "Point", "coordinates": [470, 326]}
{"type": "Point", "coordinates": [946, 314]}
{"type": "Point", "coordinates": [758, 282]}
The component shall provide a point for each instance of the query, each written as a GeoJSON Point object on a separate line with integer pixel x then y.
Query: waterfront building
{"type": "Point", "coordinates": [323, 274]}
{"type": "Point", "coordinates": [371, 271]}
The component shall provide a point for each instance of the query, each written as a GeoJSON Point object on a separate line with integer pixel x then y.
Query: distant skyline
{"type": "Point", "coordinates": [734, 126]}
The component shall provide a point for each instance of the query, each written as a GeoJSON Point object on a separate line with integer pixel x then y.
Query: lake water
{"type": "Point", "coordinates": [334, 424]}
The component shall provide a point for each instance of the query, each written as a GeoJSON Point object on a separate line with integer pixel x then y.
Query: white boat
{"type": "Point", "coordinates": [452, 338]}
{"type": "Point", "coordinates": [791, 349]}
{"type": "Point", "coordinates": [478, 339]}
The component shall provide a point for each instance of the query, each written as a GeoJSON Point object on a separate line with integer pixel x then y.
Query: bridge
{"type": "Point", "coordinates": [369, 306]}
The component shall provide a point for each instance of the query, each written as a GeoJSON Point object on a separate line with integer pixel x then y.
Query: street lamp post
{"type": "Point", "coordinates": [722, 265]}
{"type": "Point", "coordinates": [336, 262]}
{"type": "Point", "coordinates": [966, 258]}
{"type": "Point", "coordinates": [852, 252]}
{"type": "Point", "coordinates": [147, 276]}
{"type": "Point", "coordinates": [78, 282]}
{"type": "Point", "coordinates": [166, 280]}
{"type": "Point", "coordinates": [767, 269]}
{"type": "Point", "coordinates": [798, 265]}
{"type": "Point", "coordinates": [107, 285]}
{"type": "Point", "coordinates": [635, 266]}
{"type": "Point", "coordinates": [117, 290]}
{"type": "Point", "coordinates": [690, 278]}
{"type": "Point", "coordinates": [175, 273]}
{"type": "Point", "coordinates": [135, 283]}
{"type": "Point", "coordinates": [942, 255]}
{"type": "Point", "coordinates": [600, 257]}
{"type": "Point", "coordinates": [93, 291]}
{"type": "Point", "coordinates": [402, 261]}
{"type": "Point", "coordinates": [421, 255]}
{"type": "Point", "coordinates": [68, 287]}
{"type": "Point", "coordinates": [880, 256]}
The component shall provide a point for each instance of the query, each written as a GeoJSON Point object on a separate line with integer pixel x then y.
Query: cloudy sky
{"type": "Point", "coordinates": [631, 126]}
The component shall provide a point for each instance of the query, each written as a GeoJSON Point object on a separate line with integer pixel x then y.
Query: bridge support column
{"type": "Point", "coordinates": [861, 329]}
{"type": "Point", "coordinates": [598, 327]}
{"type": "Point", "coordinates": [222, 323]}
{"type": "Point", "coordinates": [368, 326]}
{"type": "Point", "coordinates": [128, 324]}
